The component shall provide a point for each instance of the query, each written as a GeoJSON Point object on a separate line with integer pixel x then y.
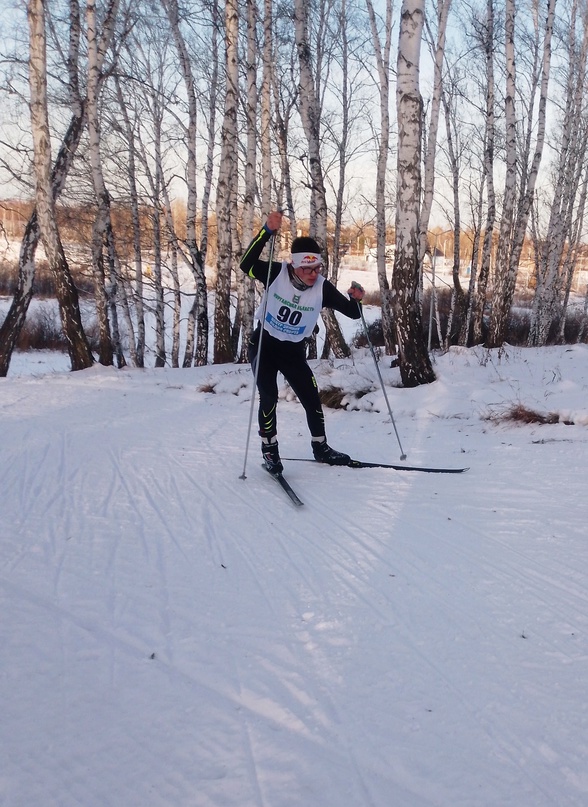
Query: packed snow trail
{"type": "Point", "coordinates": [173, 634]}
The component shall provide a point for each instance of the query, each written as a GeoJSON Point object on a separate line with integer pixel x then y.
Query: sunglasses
{"type": "Point", "coordinates": [309, 270]}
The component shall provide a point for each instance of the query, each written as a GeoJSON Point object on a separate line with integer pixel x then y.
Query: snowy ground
{"type": "Point", "coordinates": [174, 635]}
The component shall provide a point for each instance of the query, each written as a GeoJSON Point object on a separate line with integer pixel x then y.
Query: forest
{"type": "Point", "coordinates": [147, 141]}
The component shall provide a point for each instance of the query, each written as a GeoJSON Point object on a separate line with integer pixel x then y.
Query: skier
{"type": "Point", "coordinates": [297, 292]}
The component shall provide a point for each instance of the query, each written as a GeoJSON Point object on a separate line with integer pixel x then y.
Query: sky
{"type": "Point", "coordinates": [173, 634]}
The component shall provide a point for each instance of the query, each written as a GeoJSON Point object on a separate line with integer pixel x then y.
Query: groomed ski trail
{"type": "Point", "coordinates": [193, 639]}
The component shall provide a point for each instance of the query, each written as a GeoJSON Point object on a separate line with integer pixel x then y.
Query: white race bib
{"type": "Point", "coordinates": [291, 315]}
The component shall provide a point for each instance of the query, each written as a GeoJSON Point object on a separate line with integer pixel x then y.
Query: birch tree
{"type": "Point", "coordinates": [226, 189]}
{"type": "Point", "coordinates": [284, 103]}
{"type": "Point", "coordinates": [246, 286]}
{"type": "Point", "coordinates": [309, 107]}
{"type": "Point", "coordinates": [476, 304]}
{"type": "Point", "coordinates": [150, 58]}
{"type": "Point", "coordinates": [156, 181]}
{"type": "Point", "coordinates": [195, 256]}
{"type": "Point", "coordinates": [556, 253]}
{"type": "Point", "coordinates": [437, 46]}
{"type": "Point", "coordinates": [212, 82]}
{"type": "Point", "coordinates": [16, 316]}
{"type": "Point", "coordinates": [415, 365]}
{"type": "Point", "coordinates": [267, 82]}
{"type": "Point", "coordinates": [346, 115]}
{"type": "Point", "coordinates": [127, 127]}
{"type": "Point", "coordinates": [105, 279]}
{"type": "Point", "coordinates": [458, 301]}
{"type": "Point", "coordinates": [67, 295]}
{"type": "Point", "coordinates": [341, 135]}
{"type": "Point", "coordinates": [515, 216]}
{"type": "Point", "coordinates": [382, 56]}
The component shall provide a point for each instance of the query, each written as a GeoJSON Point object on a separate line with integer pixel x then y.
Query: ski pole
{"type": "Point", "coordinates": [258, 354]}
{"type": "Point", "coordinates": [373, 352]}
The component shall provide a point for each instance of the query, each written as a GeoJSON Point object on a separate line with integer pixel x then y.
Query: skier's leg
{"type": "Point", "coordinates": [301, 378]}
{"type": "Point", "coordinates": [267, 385]}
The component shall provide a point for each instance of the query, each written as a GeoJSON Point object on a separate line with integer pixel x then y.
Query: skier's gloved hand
{"type": "Point", "coordinates": [274, 221]}
{"type": "Point", "coordinates": [356, 291]}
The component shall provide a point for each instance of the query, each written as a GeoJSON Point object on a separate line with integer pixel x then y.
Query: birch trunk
{"type": "Point", "coordinates": [529, 189]}
{"type": "Point", "coordinates": [67, 295]}
{"type": "Point", "coordinates": [458, 302]}
{"type": "Point", "coordinates": [157, 187]}
{"type": "Point", "coordinates": [515, 228]}
{"type": "Point", "coordinates": [102, 222]}
{"type": "Point", "coordinates": [415, 365]}
{"type": "Point", "coordinates": [201, 301]}
{"type": "Point", "coordinates": [200, 308]}
{"type": "Point", "coordinates": [501, 282]}
{"type": "Point", "coordinates": [382, 55]}
{"type": "Point", "coordinates": [155, 181]}
{"type": "Point", "coordinates": [198, 315]}
{"type": "Point", "coordinates": [198, 322]}
{"type": "Point", "coordinates": [16, 316]}
{"type": "Point", "coordinates": [226, 189]}
{"type": "Point", "coordinates": [576, 244]}
{"type": "Point", "coordinates": [438, 52]}
{"type": "Point", "coordinates": [283, 107]}
{"type": "Point", "coordinates": [105, 259]}
{"type": "Point", "coordinates": [548, 304]}
{"type": "Point", "coordinates": [342, 144]}
{"type": "Point", "coordinates": [138, 350]}
{"type": "Point", "coordinates": [159, 302]}
{"type": "Point", "coordinates": [246, 287]}
{"type": "Point", "coordinates": [489, 143]}
{"type": "Point", "coordinates": [266, 116]}
{"type": "Point", "coordinates": [173, 251]}
{"type": "Point", "coordinates": [310, 115]}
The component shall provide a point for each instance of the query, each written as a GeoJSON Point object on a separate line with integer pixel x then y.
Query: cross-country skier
{"type": "Point", "coordinates": [297, 292]}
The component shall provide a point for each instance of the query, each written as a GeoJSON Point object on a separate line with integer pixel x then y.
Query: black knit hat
{"type": "Point", "coordinates": [305, 244]}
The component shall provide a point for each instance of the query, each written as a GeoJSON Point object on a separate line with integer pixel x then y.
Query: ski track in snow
{"type": "Point", "coordinates": [191, 638]}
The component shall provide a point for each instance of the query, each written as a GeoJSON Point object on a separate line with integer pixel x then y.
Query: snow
{"type": "Point", "coordinates": [174, 635]}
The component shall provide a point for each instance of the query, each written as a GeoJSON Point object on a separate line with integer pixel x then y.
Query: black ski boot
{"type": "Point", "coordinates": [324, 453]}
{"type": "Point", "coordinates": [271, 458]}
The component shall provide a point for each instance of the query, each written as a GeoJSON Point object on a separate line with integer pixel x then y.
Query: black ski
{"type": "Point", "coordinates": [360, 464]}
{"type": "Point", "coordinates": [285, 487]}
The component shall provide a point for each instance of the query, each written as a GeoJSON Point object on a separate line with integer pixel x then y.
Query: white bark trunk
{"type": "Point", "coordinates": [245, 286]}
{"type": "Point", "coordinates": [194, 258]}
{"type": "Point", "coordinates": [266, 118]}
{"type": "Point", "coordinates": [415, 366]}
{"type": "Point", "coordinates": [443, 7]}
{"type": "Point", "coordinates": [78, 348]}
{"type": "Point", "coordinates": [138, 349]}
{"type": "Point", "coordinates": [489, 142]}
{"type": "Point", "coordinates": [310, 115]}
{"type": "Point", "coordinates": [513, 233]}
{"type": "Point", "coordinates": [102, 220]}
{"type": "Point", "coordinates": [501, 268]}
{"type": "Point", "coordinates": [382, 56]}
{"type": "Point", "coordinates": [551, 271]}
{"type": "Point", "coordinates": [226, 190]}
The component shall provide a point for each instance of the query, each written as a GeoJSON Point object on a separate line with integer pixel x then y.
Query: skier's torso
{"type": "Point", "coordinates": [290, 314]}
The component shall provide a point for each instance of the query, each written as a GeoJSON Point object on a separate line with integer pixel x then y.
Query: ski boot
{"type": "Point", "coordinates": [271, 457]}
{"type": "Point", "coordinates": [324, 453]}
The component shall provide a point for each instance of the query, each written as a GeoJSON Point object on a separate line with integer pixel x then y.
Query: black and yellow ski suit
{"type": "Point", "coordinates": [287, 355]}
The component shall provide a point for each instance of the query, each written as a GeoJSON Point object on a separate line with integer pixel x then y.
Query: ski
{"type": "Point", "coordinates": [360, 464]}
{"type": "Point", "coordinates": [285, 487]}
